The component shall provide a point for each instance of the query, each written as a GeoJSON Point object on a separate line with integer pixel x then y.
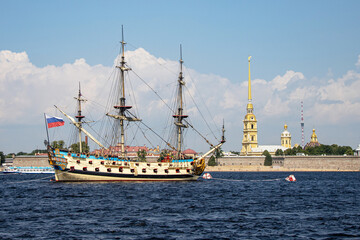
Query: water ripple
{"type": "Point", "coordinates": [317, 206]}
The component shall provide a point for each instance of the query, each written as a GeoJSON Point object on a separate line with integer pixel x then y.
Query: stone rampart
{"type": "Point", "coordinates": [299, 163]}
{"type": "Point", "coordinates": [241, 161]}
{"type": "Point", "coordinates": [336, 163]}
{"type": "Point", "coordinates": [31, 161]}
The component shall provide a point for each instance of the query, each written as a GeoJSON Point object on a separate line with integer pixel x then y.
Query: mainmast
{"type": "Point", "coordinates": [179, 111]}
{"type": "Point", "coordinates": [121, 107]}
{"type": "Point", "coordinates": [79, 116]}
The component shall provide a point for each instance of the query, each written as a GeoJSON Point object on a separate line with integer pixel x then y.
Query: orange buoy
{"type": "Point", "coordinates": [291, 178]}
{"type": "Point", "coordinates": [207, 176]}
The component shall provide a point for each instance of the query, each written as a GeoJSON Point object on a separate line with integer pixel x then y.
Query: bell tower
{"type": "Point", "coordinates": [250, 140]}
{"type": "Point", "coordinates": [286, 138]}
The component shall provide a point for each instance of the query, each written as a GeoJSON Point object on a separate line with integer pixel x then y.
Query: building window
{"type": "Point", "coordinates": [252, 138]}
{"type": "Point", "coordinates": [252, 126]}
{"type": "Point", "coordinates": [286, 142]}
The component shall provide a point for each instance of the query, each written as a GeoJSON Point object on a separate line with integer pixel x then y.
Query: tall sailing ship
{"type": "Point", "coordinates": [108, 166]}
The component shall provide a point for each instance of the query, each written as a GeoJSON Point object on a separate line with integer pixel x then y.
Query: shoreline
{"type": "Point", "coordinates": [271, 169]}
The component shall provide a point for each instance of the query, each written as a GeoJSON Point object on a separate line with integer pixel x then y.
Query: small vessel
{"type": "Point", "coordinates": [105, 165]}
{"type": "Point", "coordinates": [29, 170]}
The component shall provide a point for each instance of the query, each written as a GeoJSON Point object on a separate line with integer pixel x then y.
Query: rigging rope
{"type": "Point", "coordinates": [188, 73]}
{"type": "Point", "coordinates": [238, 180]}
{"type": "Point", "coordinates": [33, 180]}
{"type": "Point", "coordinates": [169, 108]}
{"type": "Point", "coordinates": [173, 148]}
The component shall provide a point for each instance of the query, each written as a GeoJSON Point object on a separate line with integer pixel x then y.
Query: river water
{"type": "Point", "coordinates": [259, 205]}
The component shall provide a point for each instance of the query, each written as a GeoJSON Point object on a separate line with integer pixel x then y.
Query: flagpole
{"type": "Point", "coordinates": [47, 131]}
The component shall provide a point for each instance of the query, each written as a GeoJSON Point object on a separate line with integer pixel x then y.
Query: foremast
{"type": "Point", "coordinates": [122, 107]}
{"type": "Point", "coordinates": [79, 116]}
{"type": "Point", "coordinates": [76, 124]}
{"type": "Point", "coordinates": [179, 115]}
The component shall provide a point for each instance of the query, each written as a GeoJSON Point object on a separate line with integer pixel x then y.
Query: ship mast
{"type": "Point", "coordinates": [79, 116]}
{"type": "Point", "coordinates": [179, 111]}
{"type": "Point", "coordinates": [121, 107]}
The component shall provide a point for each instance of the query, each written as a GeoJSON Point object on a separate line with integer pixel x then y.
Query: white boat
{"type": "Point", "coordinates": [49, 170]}
{"type": "Point", "coordinates": [108, 166]}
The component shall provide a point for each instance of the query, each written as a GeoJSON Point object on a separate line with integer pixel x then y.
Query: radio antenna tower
{"type": "Point", "coordinates": [302, 125]}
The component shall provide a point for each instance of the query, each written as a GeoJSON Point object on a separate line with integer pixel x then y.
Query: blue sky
{"type": "Point", "coordinates": [319, 39]}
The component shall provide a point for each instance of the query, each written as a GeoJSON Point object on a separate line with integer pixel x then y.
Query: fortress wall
{"type": "Point", "coordinates": [323, 162]}
{"type": "Point", "coordinates": [31, 161]}
{"type": "Point", "coordinates": [314, 163]}
{"type": "Point", "coordinates": [242, 161]}
{"type": "Point", "coordinates": [335, 163]}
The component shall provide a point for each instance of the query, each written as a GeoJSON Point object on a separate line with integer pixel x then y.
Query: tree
{"type": "Point", "coordinates": [142, 155]}
{"type": "Point", "coordinates": [236, 153]}
{"type": "Point", "coordinates": [10, 155]}
{"type": "Point", "coordinates": [349, 152]}
{"type": "Point", "coordinates": [163, 154]}
{"type": "Point", "coordinates": [75, 147]}
{"type": "Point", "coordinates": [21, 153]}
{"type": "Point", "coordinates": [38, 151]}
{"type": "Point", "coordinates": [219, 153]}
{"type": "Point", "coordinates": [212, 161]}
{"type": "Point", "coordinates": [2, 156]}
{"type": "Point", "coordinates": [268, 158]}
{"type": "Point", "coordinates": [58, 144]}
{"type": "Point", "coordinates": [279, 152]}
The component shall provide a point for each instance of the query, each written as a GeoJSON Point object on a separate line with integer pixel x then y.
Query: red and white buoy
{"type": "Point", "coordinates": [207, 176]}
{"type": "Point", "coordinates": [291, 178]}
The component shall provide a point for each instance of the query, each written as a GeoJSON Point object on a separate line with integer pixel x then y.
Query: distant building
{"type": "Point", "coordinates": [189, 153]}
{"type": "Point", "coordinates": [249, 141]}
{"type": "Point", "coordinates": [313, 141]}
{"type": "Point", "coordinates": [250, 145]}
{"type": "Point", "coordinates": [131, 151]}
{"type": "Point", "coordinates": [286, 138]}
{"type": "Point", "coordinates": [357, 151]}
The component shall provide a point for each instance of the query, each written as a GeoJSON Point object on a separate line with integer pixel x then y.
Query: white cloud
{"type": "Point", "coordinates": [26, 91]}
{"type": "Point", "coordinates": [280, 82]}
{"type": "Point", "coordinates": [358, 62]}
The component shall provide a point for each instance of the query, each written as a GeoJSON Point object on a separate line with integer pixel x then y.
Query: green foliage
{"type": "Point", "coordinates": [333, 149]}
{"type": "Point", "coordinates": [268, 158]}
{"type": "Point", "coordinates": [59, 144]}
{"type": "Point", "coordinates": [349, 152]}
{"type": "Point", "coordinates": [10, 155]}
{"type": "Point", "coordinates": [142, 155]}
{"type": "Point", "coordinates": [163, 154]}
{"type": "Point", "coordinates": [219, 153]}
{"type": "Point", "coordinates": [212, 161]}
{"type": "Point", "coordinates": [279, 152]}
{"type": "Point", "coordinates": [38, 151]}
{"type": "Point", "coordinates": [75, 147]}
{"type": "Point", "coordinates": [2, 156]}
{"type": "Point", "coordinates": [236, 153]}
{"type": "Point", "coordinates": [21, 153]}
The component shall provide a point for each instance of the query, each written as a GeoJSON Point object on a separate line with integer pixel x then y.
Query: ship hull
{"type": "Point", "coordinates": [71, 167]}
{"type": "Point", "coordinates": [78, 176]}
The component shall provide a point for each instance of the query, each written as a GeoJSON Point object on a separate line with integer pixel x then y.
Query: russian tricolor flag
{"type": "Point", "coordinates": [54, 121]}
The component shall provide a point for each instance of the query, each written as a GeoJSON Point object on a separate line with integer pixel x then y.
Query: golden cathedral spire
{"type": "Point", "coordinates": [249, 106]}
{"type": "Point", "coordinates": [249, 85]}
{"type": "Point", "coordinates": [250, 140]}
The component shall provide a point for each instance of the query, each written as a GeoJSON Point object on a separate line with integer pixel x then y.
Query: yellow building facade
{"type": "Point", "coordinates": [250, 140]}
{"type": "Point", "coordinates": [286, 138]}
{"type": "Point", "coordinates": [250, 145]}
